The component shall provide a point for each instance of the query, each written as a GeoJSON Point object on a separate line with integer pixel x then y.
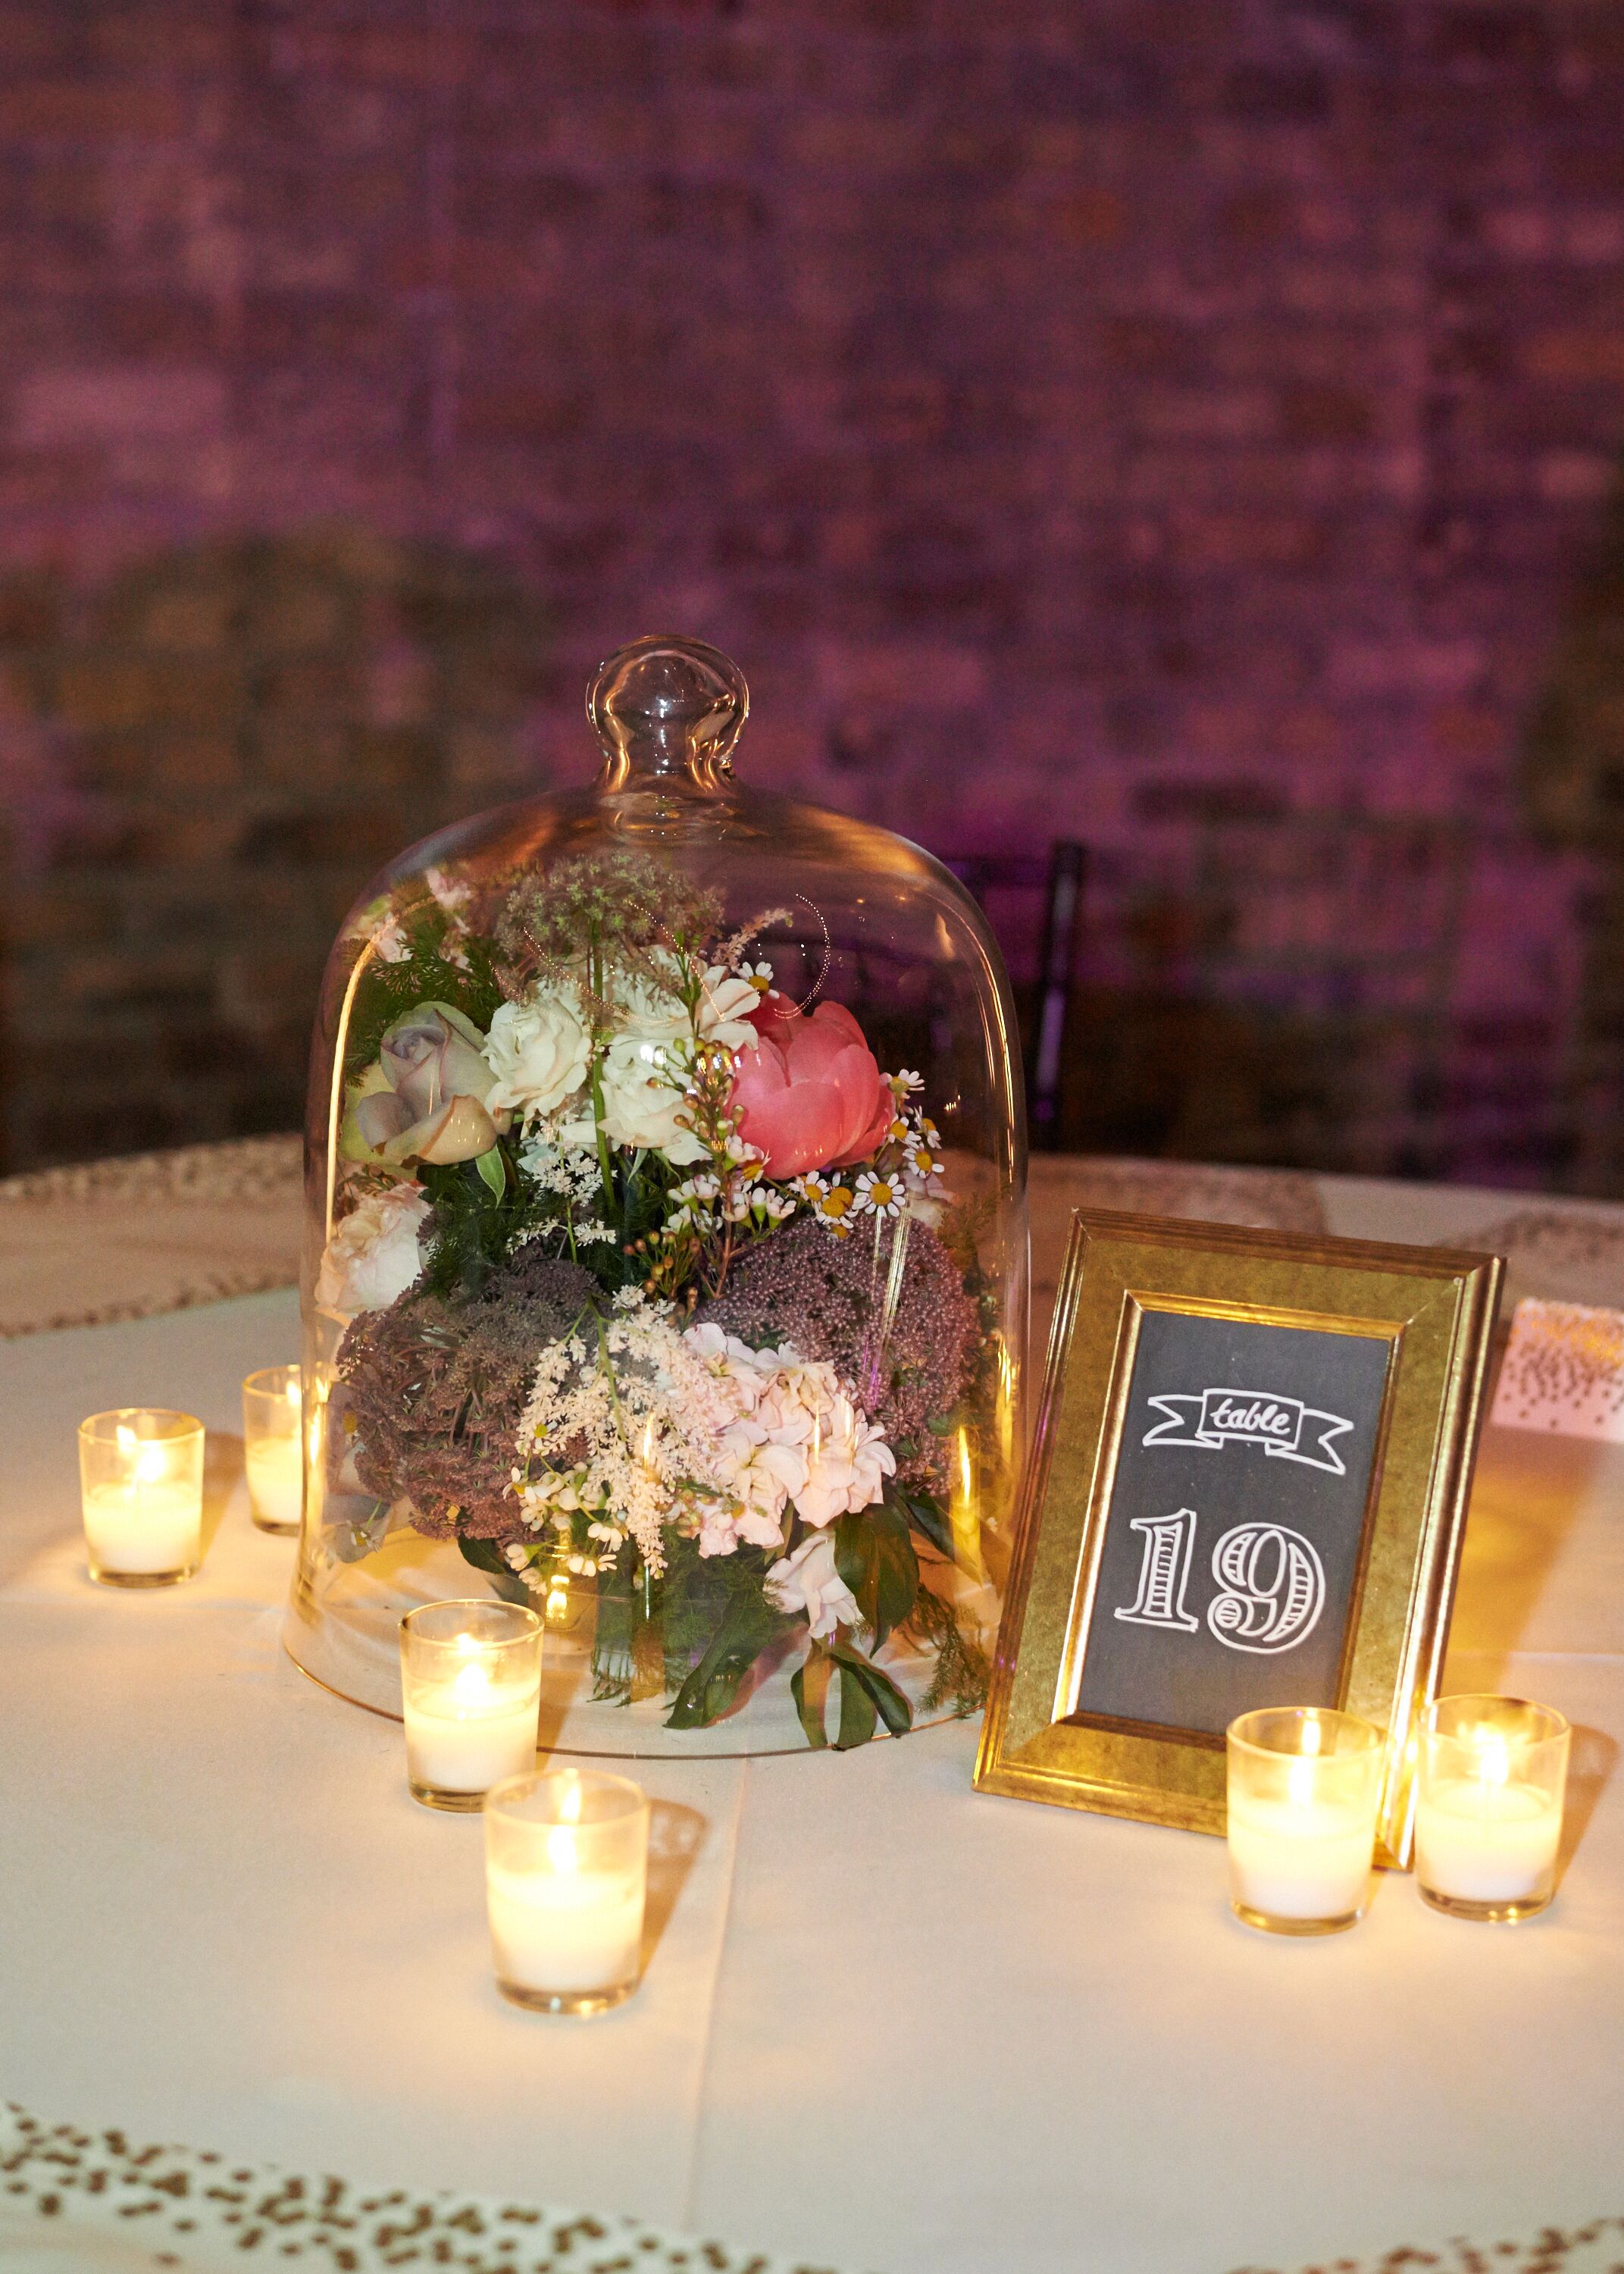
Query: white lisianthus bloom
{"type": "Point", "coordinates": [849, 1463]}
{"type": "Point", "coordinates": [537, 1051]}
{"type": "Point", "coordinates": [725, 1004]}
{"type": "Point", "coordinates": [643, 1084]}
{"type": "Point", "coordinates": [807, 1581]}
{"type": "Point", "coordinates": [374, 1257]}
{"type": "Point", "coordinates": [658, 1014]}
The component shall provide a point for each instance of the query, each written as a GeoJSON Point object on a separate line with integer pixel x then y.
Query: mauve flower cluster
{"type": "Point", "coordinates": [829, 1296]}
{"type": "Point", "coordinates": [436, 1391]}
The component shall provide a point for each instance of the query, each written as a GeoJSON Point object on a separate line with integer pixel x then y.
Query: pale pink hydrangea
{"type": "Point", "coordinates": [807, 1581]}
{"type": "Point", "coordinates": [695, 1429]}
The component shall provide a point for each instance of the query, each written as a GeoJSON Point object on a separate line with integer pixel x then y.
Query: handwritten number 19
{"type": "Point", "coordinates": [1271, 1583]}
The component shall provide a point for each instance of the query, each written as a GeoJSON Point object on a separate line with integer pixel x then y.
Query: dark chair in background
{"type": "Point", "coordinates": [1060, 879]}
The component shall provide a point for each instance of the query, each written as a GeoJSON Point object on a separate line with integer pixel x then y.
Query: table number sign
{"type": "Point", "coordinates": [1246, 1491]}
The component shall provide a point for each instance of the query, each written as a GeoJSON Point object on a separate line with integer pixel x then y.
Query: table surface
{"type": "Point", "coordinates": [887, 2023]}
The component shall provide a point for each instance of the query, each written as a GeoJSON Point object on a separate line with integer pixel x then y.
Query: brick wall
{"type": "Point", "coordinates": [1185, 425]}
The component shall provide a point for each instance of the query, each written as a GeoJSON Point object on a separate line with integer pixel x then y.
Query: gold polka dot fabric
{"type": "Point", "coordinates": [98, 2202]}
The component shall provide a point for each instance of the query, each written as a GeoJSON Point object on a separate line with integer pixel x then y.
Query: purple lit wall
{"type": "Point", "coordinates": [1183, 425]}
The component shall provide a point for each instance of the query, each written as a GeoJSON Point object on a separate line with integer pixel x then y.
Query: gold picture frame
{"type": "Point", "coordinates": [1432, 1312]}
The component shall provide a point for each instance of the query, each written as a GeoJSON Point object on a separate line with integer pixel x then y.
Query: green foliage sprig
{"type": "Point", "coordinates": [423, 974]}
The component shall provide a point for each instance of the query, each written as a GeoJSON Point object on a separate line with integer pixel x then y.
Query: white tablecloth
{"type": "Point", "coordinates": [887, 2024]}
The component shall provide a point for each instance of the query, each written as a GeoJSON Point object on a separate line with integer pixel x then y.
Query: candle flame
{"type": "Point", "coordinates": [148, 1460]}
{"type": "Point", "coordinates": [563, 1848]}
{"type": "Point", "coordinates": [472, 1686]}
{"type": "Point", "coordinates": [291, 1393]}
{"type": "Point", "coordinates": [1300, 1775]}
{"type": "Point", "coordinates": [1494, 1757]}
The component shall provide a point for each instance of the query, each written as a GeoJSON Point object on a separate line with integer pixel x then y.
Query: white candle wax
{"type": "Point", "coordinates": [566, 1931]}
{"type": "Point", "coordinates": [467, 1733]}
{"type": "Point", "coordinates": [143, 1528]}
{"type": "Point", "coordinates": [1486, 1841]}
{"type": "Point", "coordinates": [276, 1479]}
{"type": "Point", "coordinates": [1299, 1859]}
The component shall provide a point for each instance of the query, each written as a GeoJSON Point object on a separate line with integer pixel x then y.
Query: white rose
{"type": "Point", "coordinates": [807, 1581]}
{"type": "Point", "coordinates": [850, 1463]}
{"type": "Point", "coordinates": [374, 1257]}
{"type": "Point", "coordinates": [537, 1051]}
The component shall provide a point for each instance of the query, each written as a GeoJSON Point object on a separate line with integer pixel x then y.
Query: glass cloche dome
{"type": "Point", "coordinates": [665, 1253]}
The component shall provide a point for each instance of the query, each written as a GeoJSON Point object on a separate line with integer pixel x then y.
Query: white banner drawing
{"type": "Point", "coordinates": [1287, 1429]}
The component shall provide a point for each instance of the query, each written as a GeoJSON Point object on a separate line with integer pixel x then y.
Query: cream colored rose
{"type": "Point", "coordinates": [374, 1255]}
{"type": "Point", "coordinates": [537, 1051]}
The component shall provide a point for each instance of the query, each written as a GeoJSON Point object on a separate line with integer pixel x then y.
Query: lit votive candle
{"type": "Point", "coordinates": [141, 1493]}
{"type": "Point", "coordinates": [566, 1866]}
{"type": "Point", "coordinates": [471, 1684]}
{"type": "Point", "coordinates": [1304, 1785]}
{"type": "Point", "coordinates": [1489, 1806]}
{"type": "Point", "coordinates": [272, 1447]}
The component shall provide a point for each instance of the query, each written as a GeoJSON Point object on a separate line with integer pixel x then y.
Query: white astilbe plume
{"type": "Point", "coordinates": [659, 1427]}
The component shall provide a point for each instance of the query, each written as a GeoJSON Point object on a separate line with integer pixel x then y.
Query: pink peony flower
{"type": "Point", "coordinates": [810, 1093]}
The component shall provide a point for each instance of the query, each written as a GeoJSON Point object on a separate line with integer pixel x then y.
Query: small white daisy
{"type": "Point", "coordinates": [834, 1204]}
{"type": "Point", "coordinates": [878, 1195]}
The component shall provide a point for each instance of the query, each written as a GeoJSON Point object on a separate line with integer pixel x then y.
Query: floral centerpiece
{"type": "Point", "coordinates": [649, 1281]}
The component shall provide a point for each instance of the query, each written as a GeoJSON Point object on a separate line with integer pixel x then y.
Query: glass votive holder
{"type": "Point", "coordinates": [141, 1492]}
{"type": "Point", "coordinates": [273, 1447]}
{"type": "Point", "coordinates": [470, 1687]}
{"type": "Point", "coordinates": [567, 1868]}
{"type": "Point", "coordinates": [1304, 1786]}
{"type": "Point", "coordinates": [1489, 1795]}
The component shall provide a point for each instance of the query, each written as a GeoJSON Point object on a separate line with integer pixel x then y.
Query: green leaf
{"type": "Point", "coordinates": [809, 1687]}
{"type": "Point", "coordinates": [494, 1170]}
{"type": "Point", "coordinates": [860, 1672]}
{"type": "Point", "coordinates": [858, 1712]}
{"type": "Point", "coordinates": [486, 1556]}
{"type": "Point", "coordinates": [926, 1516]}
{"type": "Point", "coordinates": [747, 1625]}
{"type": "Point", "coordinates": [875, 1556]}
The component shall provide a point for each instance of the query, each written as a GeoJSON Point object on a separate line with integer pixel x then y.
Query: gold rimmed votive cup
{"type": "Point", "coordinates": [566, 1866]}
{"type": "Point", "coordinates": [1304, 1785]}
{"type": "Point", "coordinates": [273, 1447]}
{"type": "Point", "coordinates": [142, 1495]}
{"type": "Point", "coordinates": [471, 1688]}
{"type": "Point", "coordinates": [1489, 1791]}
